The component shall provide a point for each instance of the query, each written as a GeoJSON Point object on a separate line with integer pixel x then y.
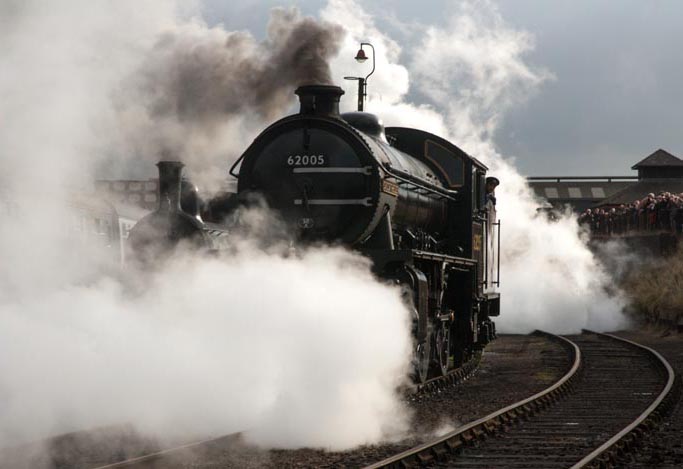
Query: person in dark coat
{"type": "Point", "coordinates": [491, 184]}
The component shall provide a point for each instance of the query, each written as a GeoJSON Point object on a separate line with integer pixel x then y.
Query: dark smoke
{"type": "Point", "coordinates": [203, 93]}
{"type": "Point", "coordinates": [220, 75]}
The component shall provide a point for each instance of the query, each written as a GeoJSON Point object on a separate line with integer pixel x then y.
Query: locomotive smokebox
{"type": "Point", "coordinates": [319, 100]}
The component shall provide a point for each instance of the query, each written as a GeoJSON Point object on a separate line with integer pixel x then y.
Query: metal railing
{"type": "Point", "coordinates": [582, 178]}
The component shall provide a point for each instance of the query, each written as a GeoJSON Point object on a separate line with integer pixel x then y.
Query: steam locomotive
{"type": "Point", "coordinates": [412, 202]}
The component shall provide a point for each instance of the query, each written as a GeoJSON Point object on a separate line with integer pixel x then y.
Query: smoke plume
{"type": "Point", "coordinates": [205, 77]}
{"type": "Point", "coordinates": [203, 93]}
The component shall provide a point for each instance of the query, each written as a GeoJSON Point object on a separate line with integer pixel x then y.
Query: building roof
{"type": "Point", "coordinates": [642, 188]}
{"type": "Point", "coordinates": [659, 158]}
{"type": "Point", "coordinates": [580, 193]}
{"type": "Point", "coordinates": [565, 190]}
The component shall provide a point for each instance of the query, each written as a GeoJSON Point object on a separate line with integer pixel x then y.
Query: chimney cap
{"type": "Point", "coordinates": [319, 90]}
{"type": "Point", "coordinates": [319, 100]}
{"type": "Point", "coordinates": [170, 163]}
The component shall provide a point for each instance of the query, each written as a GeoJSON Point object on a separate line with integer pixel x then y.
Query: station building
{"type": "Point", "coordinates": [659, 172]}
{"type": "Point", "coordinates": [138, 193]}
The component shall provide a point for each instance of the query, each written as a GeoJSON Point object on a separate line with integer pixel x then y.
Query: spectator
{"type": "Point", "coordinates": [661, 212]}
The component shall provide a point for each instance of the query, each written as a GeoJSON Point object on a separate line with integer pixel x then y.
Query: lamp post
{"type": "Point", "coordinates": [363, 82]}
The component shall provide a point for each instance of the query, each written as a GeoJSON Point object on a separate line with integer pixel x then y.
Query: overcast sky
{"type": "Point", "coordinates": [617, 92]}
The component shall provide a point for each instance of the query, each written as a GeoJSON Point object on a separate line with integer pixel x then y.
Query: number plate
{"type": "Point", "coordinates": [306, 161]}
{"type": "Point", "coordinates": [390, 188]}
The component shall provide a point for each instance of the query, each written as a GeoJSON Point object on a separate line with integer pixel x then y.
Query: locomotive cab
{"type": "Point", "coordinates": [471, 275]}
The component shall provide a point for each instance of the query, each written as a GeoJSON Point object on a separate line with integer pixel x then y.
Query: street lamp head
{"type": "Point", "coordinates": [363, 82]}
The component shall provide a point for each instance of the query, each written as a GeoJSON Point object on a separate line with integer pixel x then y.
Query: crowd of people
{"type": "Point", "coordinates": [661, 212]}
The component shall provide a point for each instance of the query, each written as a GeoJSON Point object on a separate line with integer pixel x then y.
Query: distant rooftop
{"type": "Point", "coordinates": [640, 189]}
{"type": "Point", "coordinates": [658, 159]}
{"type": "Point", "coordinates": [658, 172]}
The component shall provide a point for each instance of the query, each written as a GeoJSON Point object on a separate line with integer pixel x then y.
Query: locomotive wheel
{"type": "Point", "coordinates": [421, 361]}
{"type": "Point", "coordinates": [442, 345]}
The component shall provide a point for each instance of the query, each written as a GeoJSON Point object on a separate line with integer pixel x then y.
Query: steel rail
{"type": "Point", "coordinates": [148, 460]}
{"type": "Point", "coordinates": [602, 455]}
{"type": "Point", "coordinates": [492, 422]}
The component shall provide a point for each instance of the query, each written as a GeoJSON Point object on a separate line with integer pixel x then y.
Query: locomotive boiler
{"type": "Point", "coordinates": [412, 202]}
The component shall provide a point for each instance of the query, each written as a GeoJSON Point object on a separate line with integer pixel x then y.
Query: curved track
{"type": "Point", "coordinates": [614, 391]}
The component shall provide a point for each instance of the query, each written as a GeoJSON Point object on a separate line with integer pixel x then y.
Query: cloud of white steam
{"type": "Point", "coordinates": [472, 70]}
{"type": "Point", "coordinates": [299, 351]}
{"type": "Point", "coordinates": [284, 348]}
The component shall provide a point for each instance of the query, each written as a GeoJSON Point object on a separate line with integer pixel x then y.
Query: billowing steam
{"type": "Point", "coordinates": [203, 93]}
{"type": "Point", "coordinates": [297, 350]}
{"type": "Point", "coordinates": [471, 71]}
{"type": "Point", "coordinates": [284, 348]}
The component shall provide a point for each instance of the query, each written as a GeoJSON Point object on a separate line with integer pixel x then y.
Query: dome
{"type": "Point", "coordinates": [367, 123]}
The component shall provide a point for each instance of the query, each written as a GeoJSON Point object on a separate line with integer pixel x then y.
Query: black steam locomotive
{"type": "Point", "coordinates": [412, 202]}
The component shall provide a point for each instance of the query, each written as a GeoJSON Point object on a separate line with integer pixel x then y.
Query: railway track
{"type": "Point", "coordinates": [613, 393]}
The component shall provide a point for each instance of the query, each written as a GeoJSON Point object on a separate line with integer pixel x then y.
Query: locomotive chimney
{"type": "Point", "coordinates": [170, 174]}
{"type": "Point", "coordinates": [319, 100]}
